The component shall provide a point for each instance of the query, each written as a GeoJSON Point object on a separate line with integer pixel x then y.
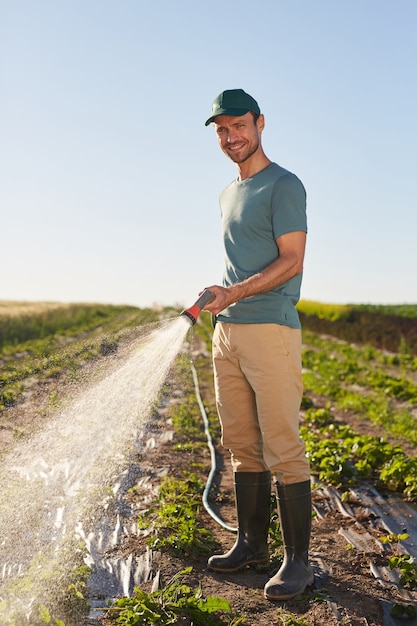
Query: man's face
{"type": "Point", "coordinates": [239, 137]}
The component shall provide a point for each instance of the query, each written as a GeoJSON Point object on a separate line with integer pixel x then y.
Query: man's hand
{"type": "Point", "coordinates": [223, 298]}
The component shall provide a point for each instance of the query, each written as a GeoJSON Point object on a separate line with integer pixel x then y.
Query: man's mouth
{"type": "Point", "coordinates": [235, 147]}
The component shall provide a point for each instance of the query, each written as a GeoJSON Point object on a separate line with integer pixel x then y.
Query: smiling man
{"type": "Point", "coordinates": [257, 347]}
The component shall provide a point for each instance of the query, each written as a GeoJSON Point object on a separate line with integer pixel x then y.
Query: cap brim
{"type": "Point", "coordinates": [232, 112]}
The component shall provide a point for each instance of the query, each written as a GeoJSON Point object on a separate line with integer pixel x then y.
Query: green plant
{"type": "Point", "coordinates": [400, 474]}
{"type": "Point", "coordinates": [46, 618]}
{"type": "Point", "coordinates": [52, 582]}
{"type": "Point", "coordinates": [289, 619]}
{"type": "Point", "coordinates": [186, 419]}
{"type": "Point", "coordinates": [341, 457]}
{"type": "Point", "coordinates": [175, 602]}
{"type": "Point", "coordinates": [407, 567]}
{"type": "Point", "coordinates": [174, 518]}
{"type": "Point", "coordinates": [404, 563]}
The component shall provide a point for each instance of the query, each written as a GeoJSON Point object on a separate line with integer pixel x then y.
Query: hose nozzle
{"type": "Point", "coordinates": [194, 311]}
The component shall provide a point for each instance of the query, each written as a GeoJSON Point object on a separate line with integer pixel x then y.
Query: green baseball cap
{"type": "Point", "coordinates": [235, 102]}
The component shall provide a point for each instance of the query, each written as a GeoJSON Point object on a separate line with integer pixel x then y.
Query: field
{"type": "Point", "coordinates": [358, 421]}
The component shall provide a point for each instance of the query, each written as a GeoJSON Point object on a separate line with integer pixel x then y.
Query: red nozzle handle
{"type": "Point", "coordinates": [194, 311]}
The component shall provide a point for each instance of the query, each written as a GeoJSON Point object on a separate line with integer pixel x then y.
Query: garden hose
{"type": "Point", "coordinates": [212, 456]}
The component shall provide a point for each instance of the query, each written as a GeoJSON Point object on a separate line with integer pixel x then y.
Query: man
{"type": "Point", "coordinates": [257, 347]}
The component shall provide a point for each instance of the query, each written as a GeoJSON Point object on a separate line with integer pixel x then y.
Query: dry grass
{"type": "Point", "coordinates": [12, 308]}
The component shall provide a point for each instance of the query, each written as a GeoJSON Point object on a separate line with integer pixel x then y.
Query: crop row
{"type": "Point", "coordinates": [387, 328]}
{"type": "Point", "coordinates": [55, 342]}
{"type": "Point", "coordinates": [364, 381]}
{"type": "Point", "coordinates": [19, 325]}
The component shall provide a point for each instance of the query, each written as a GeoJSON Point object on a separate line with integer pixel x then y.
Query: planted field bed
{"type": "Point", "coordinates": [358, 420]}
{"type": "Point", "coordinates": [372, 388]}
{"type": "Point", "coordinates": [389, 327]}
{"type": "Point", "coordinates": [46, 346]}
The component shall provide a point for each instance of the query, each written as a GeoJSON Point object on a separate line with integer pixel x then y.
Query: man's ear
{"type": "Point", "coordinates": [260, 122]}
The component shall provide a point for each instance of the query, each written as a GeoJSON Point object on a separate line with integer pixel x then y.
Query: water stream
{"type": "Point", "coordinates": [55, 483]}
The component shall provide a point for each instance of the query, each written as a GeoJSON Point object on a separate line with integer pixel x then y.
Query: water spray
{"type": "Point", "coordinates": [194, 311]}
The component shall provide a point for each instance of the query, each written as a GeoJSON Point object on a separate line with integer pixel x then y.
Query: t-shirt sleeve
{"type": "Point", "coordinates": [288, 206]}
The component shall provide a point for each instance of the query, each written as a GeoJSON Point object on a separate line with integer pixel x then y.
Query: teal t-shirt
{"type": "Point", "coordinates": [254, 212]}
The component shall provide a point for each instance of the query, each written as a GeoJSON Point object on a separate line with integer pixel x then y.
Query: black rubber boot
{"type": "Point", "coordinates": [253, 507]}
{"type": "Point", "coordinates": [295, 573]}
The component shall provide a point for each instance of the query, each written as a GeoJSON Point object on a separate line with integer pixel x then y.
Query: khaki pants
{"type": "Point", "coordinates": [257, 375]}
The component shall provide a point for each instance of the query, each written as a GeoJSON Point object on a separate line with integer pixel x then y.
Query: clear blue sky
{"type": "Point", "coordinates": [109, 180]}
